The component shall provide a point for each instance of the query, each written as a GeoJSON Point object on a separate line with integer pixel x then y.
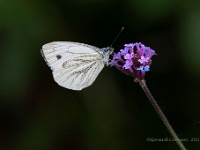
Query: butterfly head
{"type": "Point", "coordinates": [107, 51]}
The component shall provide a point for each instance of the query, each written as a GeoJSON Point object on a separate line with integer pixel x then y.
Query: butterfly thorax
{"type": "Point", "coordinates": [106, 52]}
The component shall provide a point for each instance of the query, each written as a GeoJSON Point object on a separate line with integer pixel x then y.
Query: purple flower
{"type": "Point", "coordinates": [124, 51]}
{"type": "Point", "coordinates": [116, 59]}
{"type": "Point", "coordinates": [129, 48]}
{"type": "Point", "coordinates": [134, 59]}
{"type": "Point", "coordinates": [144, 60]}
{"type": "Point", "coordinates": [128, 64]}
{"type": "Point", "coordinates": [149, 52]}
{"type": "Point", "coordinates": [144, 69]}
{"type": "Point", "coordinates": [117, 56]}
{"type": "Point", "coordinates": [129, 45]}
{"type": "Point", "coordinates": [128, 56]}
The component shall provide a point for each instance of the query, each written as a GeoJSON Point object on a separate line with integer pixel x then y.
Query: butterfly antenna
{"type": "Point", "coordinates": [117, 36]}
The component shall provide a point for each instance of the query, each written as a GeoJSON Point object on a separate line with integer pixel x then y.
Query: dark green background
{"type": "Point", "coordinates": [113, 113]}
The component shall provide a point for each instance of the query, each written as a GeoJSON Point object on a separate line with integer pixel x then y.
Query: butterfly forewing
{"type": "Point", "coordinates": [56, 53]}
{"type": "Point", "coordinates": [75, 65]}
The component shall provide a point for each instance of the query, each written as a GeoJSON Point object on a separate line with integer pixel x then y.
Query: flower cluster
{"type": "Point", "coordinates": [134, 59]}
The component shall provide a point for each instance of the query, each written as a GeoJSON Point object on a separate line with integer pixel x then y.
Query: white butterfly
{"type": "Point", "coordinates": [75, 65]}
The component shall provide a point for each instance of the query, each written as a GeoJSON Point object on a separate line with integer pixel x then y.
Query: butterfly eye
{"type": "Point", "coordinates": [107, 50]}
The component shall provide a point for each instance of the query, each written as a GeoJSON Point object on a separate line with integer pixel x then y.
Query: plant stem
{"type": "Point", "coordinates": [161, 114]}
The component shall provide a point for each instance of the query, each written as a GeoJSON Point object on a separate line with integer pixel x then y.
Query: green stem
{"type": "Point", "coordinates": [160, 113]}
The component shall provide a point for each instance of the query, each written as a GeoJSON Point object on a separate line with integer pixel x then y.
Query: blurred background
{"type": "Point", "coordinates": [113, 113]}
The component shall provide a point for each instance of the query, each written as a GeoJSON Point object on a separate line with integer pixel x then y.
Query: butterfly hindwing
{"type": "Point", "coordinates": [83, 74]}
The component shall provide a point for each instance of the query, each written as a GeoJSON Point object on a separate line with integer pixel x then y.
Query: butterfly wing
{"type": "Point", "coordinates": [75, 65]}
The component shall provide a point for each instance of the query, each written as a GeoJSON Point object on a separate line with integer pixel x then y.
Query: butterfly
{"type": "Point", "coordinates": [75, 65]}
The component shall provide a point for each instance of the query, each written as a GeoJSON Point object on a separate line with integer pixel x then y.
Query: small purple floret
{"type": "Point", "coordinates": [128, 56]}
{"type": "Point", "coordinates": [128, 64]}
{"type": "Point", "coordinates": [144, 60]}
